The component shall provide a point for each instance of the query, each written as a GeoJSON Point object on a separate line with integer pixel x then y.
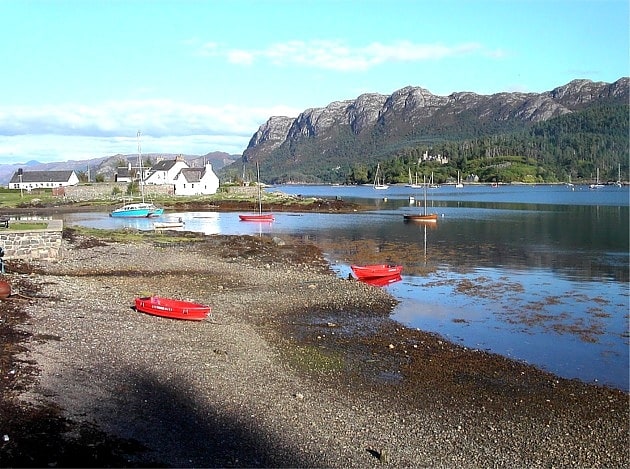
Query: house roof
{"type": "Point", "coordinates": [192, 174]}
{"type": "Point", "coordinates": [41, 176]}
{"type": "Point", "coordinates": [163, 165]}
{"type": "Point", "coordinates": [123, 171]}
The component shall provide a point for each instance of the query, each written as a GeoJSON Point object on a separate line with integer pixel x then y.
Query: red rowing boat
{"type": "Point", "coordinates": [375, 270]}
{"type": "Point", "coordinates": [264, 217]}
{"type": "Point", "coordinates": [170, 308]}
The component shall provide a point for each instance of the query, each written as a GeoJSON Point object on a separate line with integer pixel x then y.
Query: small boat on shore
{"type": "Point", "coordinates": [171, 308]}
{"type": "Point", "coordinates": [375, 270]}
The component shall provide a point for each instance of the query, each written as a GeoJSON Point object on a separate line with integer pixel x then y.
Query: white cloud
{"type": "Point", "coordinates": [337, 55]}
{"type": "Point", "coordinates": [61, 133]}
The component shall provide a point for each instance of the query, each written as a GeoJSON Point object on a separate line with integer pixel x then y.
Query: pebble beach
{"type": "Point", "coordinates": [294, 367]}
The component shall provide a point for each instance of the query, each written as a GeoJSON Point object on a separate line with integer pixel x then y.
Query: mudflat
{"type": "Point", "coordinates": [295, 367]}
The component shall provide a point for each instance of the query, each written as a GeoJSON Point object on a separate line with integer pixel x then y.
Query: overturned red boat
{"type": "Point", "coordinates": [375, 270]}
{"type": "Point", "coordinates": [171, 308]}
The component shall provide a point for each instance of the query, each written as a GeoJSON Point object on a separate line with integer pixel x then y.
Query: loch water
{"type": "Point", "coordinates": [539, 274]}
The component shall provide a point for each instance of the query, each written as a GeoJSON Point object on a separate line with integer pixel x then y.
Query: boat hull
{"type": "Point", "coordinates": [140, 210]}
{"type": "Point", "coordinates": [267, 217]}
{"type": "Point", "coordinates": [171, 308]}
{"type": "Point", "coordinates": [376, 271]}
{"type": "Point", "coordinates": [431, 217]}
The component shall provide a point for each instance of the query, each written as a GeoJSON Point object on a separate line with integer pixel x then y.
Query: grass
{"type": "Point", "coordinates": [131, 235]}
{"type": "Point", "coordinates": [25, 226]}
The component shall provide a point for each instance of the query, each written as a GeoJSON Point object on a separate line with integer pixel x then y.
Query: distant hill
{"type": "Point", "coordinates": [106, 166]}
{"type": "Point", "coordinates": [335, 143]}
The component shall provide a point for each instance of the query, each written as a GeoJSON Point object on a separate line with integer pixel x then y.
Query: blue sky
{"type": "Point", "coordinates": [80, 78]}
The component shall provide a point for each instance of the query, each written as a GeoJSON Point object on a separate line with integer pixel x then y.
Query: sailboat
{"type": "Point", "coordinates": [378, 183]}
{"type": "Point", "coordinates": [425, 217]}
{"type": "Point", "coordinates": [413, 184]}
{"type": "Point", "coordinates": [597, 185]}
{"type": "Point", "coordinates": [618, 183]}
{"type": "Point", "coordinates": [433, 185]}
{"type": "Point", "coordinates": [459, 184]}
{"type": "Point", "coordinates": [141, 209]}
{"type": "Point", "coordinates": [260, 216]}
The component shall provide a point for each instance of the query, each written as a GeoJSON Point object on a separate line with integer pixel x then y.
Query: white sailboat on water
{"type": "Point", "coordinates": [597, 184]}
{"type": "Point", "coordinates": [413, 184]}
{"type": "Point", "coordinates": [379, 184]}
{"type": "Point", "coordinates": [459, 184]}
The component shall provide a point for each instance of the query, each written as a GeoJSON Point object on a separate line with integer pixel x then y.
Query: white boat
{"type": "Point", "coordinates": [433, 185]}
{"type": "Point", "coordinates": [597, 184]}
{"type": "Point", "coordinates": [168, 224]}
{"type": "Point", "coordinates": [378, 183]}
{"type": "Point", "coordinates": [459, 184]}
{"type": "Point", "coordinates": [139, 209]}
{"type": "Point", "coordinates": [412, 183]}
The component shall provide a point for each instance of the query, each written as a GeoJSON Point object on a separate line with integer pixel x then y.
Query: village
{"type": "Point", "coordinates": [166, 176]}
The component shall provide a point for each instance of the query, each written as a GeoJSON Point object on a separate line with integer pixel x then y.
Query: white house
{"type": "Point", "coordinates": [29, 180]}
{"type": "Point", "coordinates": [196, 181]}
{"type": "Point", "coordinates": [165, 171]}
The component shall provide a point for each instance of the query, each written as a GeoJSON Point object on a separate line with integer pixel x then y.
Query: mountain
{"type": "Point", "coordinates": [322, 144]}
{"type": "Point", "coordinates": [106, 166]}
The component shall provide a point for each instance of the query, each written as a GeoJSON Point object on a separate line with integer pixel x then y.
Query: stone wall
{"type": "Point", "coordinates": [109, 190]}
{"type": "Point", "coordinates": [42, 244]}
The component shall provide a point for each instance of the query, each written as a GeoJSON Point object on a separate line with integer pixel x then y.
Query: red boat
{"type": "Point", "coordinates": [170, 308]}
{"type": "Point", "coordinates": [264, 217]}
{"type": "Point", "coordinates": [375, 270]}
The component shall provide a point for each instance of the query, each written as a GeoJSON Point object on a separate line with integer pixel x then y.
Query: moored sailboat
{"type": "Point", "coordinates": [379, 184]}
{"type": "Point", "coordinates": [139, 209]}
{"type": "Point", "coordinates": [260, 216]}
{"type": "Point", "coordinates": [423, 217]}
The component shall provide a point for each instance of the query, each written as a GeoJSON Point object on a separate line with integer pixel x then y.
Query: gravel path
{"type": "Point", "coordinates": [294, 368]}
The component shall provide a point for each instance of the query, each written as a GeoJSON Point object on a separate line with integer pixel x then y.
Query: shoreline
{"type": "Point", "coordinates": [295, 367]}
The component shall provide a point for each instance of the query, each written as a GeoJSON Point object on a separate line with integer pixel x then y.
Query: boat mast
{"type": "Point", "coordinates": [259, 189]}
{"type": "Point", "coordinates": [140, 180]}
{"type": "Point", "coordinates": [425, 194]}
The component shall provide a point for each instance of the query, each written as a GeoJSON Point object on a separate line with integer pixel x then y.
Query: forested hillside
{"type": "Point", "coordinates": [569, 147]}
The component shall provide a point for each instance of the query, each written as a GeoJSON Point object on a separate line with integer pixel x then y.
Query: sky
{"type": "Point", "coordinates": [80, 78]}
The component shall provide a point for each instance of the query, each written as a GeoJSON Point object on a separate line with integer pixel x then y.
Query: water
{"type": "Point", "coordinates": [538, 274]}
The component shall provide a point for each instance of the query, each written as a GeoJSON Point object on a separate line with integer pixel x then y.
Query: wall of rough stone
{"type": "Point", "coordinates": [42, 244]}
{"type": "Point", "coordinates": [109, 190]}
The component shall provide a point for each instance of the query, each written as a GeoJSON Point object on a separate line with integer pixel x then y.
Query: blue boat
{"type": "Point", "coordinates": [138, 210]}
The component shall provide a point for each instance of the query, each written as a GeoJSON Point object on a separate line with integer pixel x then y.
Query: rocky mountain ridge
{"type": "Point", "coordinates": [368, 125]}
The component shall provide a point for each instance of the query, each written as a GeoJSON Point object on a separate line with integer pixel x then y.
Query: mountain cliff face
{"type": "Point", "coordinates": [371, 125]}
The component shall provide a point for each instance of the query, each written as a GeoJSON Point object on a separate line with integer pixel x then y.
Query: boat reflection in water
{"type": "Point", "coordinates": [382, 281]}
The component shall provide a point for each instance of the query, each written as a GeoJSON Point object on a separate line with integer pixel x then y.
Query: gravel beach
{"type": "Point", "coordinates": [295, 367]}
